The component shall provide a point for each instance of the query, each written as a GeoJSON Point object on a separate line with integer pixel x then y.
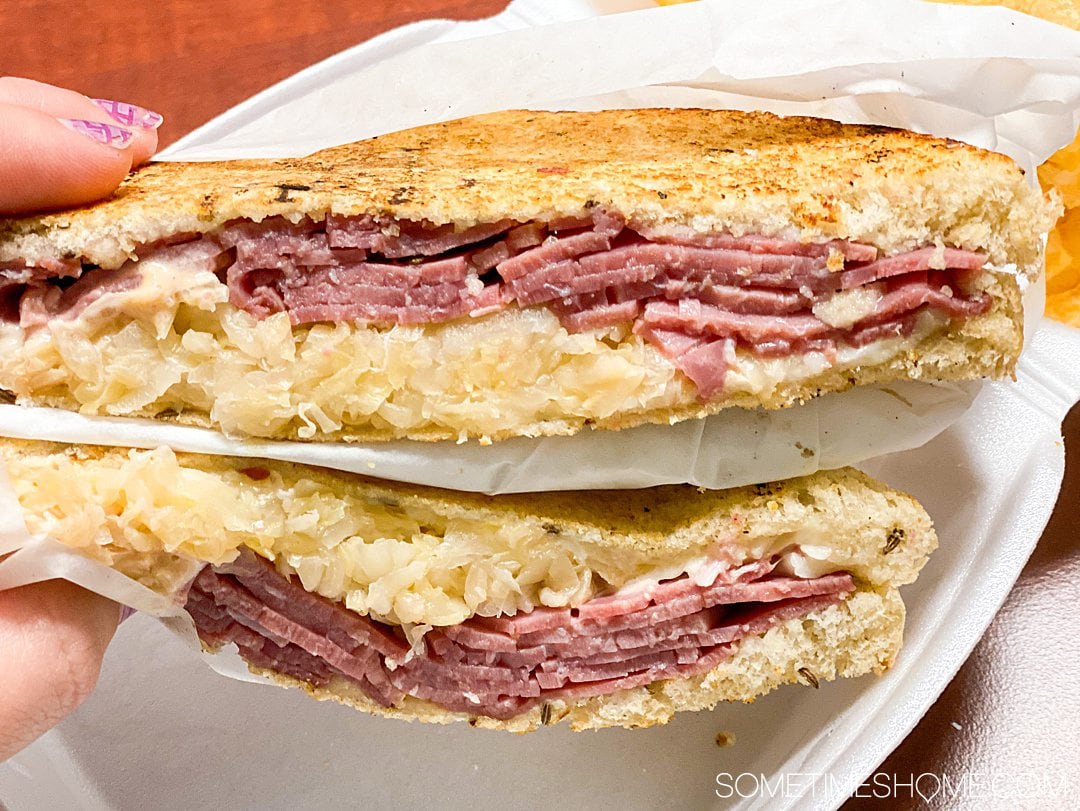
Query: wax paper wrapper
{"type": "Point", "coordinates": [991, 77]}
{"type": "Point", "coordinates": [988, 76]}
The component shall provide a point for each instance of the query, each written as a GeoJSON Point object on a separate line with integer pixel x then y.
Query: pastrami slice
{"type": "Point", "coordinates": [501, 667]}
{"type": "Point", "coordinates": [752, 293]}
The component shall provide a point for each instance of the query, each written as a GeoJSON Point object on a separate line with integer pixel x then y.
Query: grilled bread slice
{"type": "Point", "coordinates": [389, 288]}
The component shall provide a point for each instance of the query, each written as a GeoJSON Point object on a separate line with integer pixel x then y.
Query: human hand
{"type": "Point", "coordinates": [53, 637]}
{"type": "Point", "coordinates": [57, 148]}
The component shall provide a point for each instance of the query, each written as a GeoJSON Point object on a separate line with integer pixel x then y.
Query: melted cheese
{"type": "Point", "coordinates": [762, 376]}
{"type": "Point", "coordinates": [842, 310]}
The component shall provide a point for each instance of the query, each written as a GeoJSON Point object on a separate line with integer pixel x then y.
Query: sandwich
{"type": "Point", "coordinates": [524, 274]}
{"type": "Point", "coordinates": [509, 612]}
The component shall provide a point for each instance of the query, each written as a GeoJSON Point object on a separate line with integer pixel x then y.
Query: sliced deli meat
{"type": "Point", "coordinates": [753, 293]}
{"type": "Point", "coordinates": [501, 667]}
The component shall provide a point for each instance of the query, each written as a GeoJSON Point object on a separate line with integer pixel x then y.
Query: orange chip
{"type": "Point", "coordinates": [1062, 171]}
{"type": "Point", "coordinates": [1065, 307]}
{"type": "Point", "coordinates": [1063, 253]}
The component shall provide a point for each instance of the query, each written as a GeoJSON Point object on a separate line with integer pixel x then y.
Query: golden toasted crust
{"type": "Point", "coordinates": [861, 635]}
{"type": "Point", "coordinates": [746, 172]}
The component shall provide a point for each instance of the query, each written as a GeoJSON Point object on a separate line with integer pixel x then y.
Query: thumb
{"type": "Point", "coordinates": [53, 636]}
{"type": "Point", "coordinates": [48, 162]}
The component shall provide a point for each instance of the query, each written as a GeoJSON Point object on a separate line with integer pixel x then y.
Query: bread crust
{"type": "Point", "coordinates": [709, 169]}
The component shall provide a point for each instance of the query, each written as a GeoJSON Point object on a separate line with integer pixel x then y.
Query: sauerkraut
{"type": "Point", "coordinates": [175, 345]}
{"type": "Point", "coordinates": [191, 351]}
{"type": "Point", "coordinates": [151, 516]}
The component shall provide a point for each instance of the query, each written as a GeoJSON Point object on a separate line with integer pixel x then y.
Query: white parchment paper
{"type": "Point", "coordinates": [988, 76]}
{"type": "Point", "coordinates": [734, 448]}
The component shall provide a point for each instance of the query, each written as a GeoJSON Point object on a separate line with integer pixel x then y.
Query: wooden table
{"type": "Point", "coordinates": [1006, 710]}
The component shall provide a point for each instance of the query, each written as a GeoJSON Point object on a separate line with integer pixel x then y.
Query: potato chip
{"type": "Point", "coordinates": [1062, 172]}
{"type": "Point", "coordinates": [1065, 307]}
{"type": "Point", "coordinates": [1063, 253]}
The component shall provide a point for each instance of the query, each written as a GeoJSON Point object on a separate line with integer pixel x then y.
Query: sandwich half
{"type": "Point", "coordinates": [524, 274]}
{"type": "Point", "coordinates": [511, 612]}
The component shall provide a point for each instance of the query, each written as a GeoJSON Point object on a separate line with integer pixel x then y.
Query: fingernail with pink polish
{"type": "Point", "coordinates": [125, 612]}
{"type": "Point", "coordinates": [107, 134]}
{"type": "Point", "coordinates": [130, 115]}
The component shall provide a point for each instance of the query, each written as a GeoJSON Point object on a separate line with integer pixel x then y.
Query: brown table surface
{"type": "Point", "coordinates": [1014, 703]}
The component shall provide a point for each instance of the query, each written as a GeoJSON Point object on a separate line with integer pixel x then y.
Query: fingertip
{"type": "Point", "coordinates": [53, 636]}
{"type": "Point", "coordinates": [144, 146]}
{"type": "Point", "coordinates": [140, 120]}
{"type": "Point", "coordinates": [45, 164]}
{"type": "Point", "coordinates": [63, 103]}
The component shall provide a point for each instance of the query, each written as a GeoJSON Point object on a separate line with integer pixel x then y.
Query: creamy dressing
{"type": "Point", "coordinates": [844, 309]}
{"type": "Point", "coordinates": [755, 375]}
{"type": "Point", "coordinates": [799, 557]}
{"type": "Point", "coordinates": [163, 285]}
{"type": "Point", "coordinates": [806, 561]}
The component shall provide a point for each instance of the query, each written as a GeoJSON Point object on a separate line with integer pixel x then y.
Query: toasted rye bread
{"type": "Point", "coordinates": [709, 170]}
{"type": "Point", "coordinates": [712, 170]}
{"type": "Point", "coordinates": [879, 535]}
